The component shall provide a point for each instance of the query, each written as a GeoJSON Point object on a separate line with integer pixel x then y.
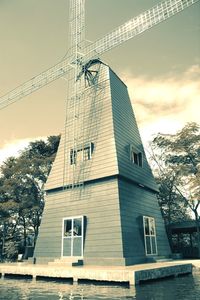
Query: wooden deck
{"type": "Point", "coordinates": [130, 274]}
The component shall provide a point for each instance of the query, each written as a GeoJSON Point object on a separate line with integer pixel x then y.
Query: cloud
{"type": "Point", "coordinates": [14, 147]}
{"type": "Point", "coordinates": [165, 104]}
{"type": "Point", "coordinates": [161, 105]}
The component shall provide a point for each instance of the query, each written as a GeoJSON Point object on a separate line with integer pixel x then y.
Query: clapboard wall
{"type": "Point", "coordinates": [137, 187]}
{"type": "Point", "coordinates": [97, 127]}
{"type": "Point", "coordinates": [126, 132]}
{"type": "Point", "coordinates": [99, 203]}
{"type": "Point", "coordinates": [114, 228]}
{"type": "Point", "coordinates": [136, 202]}
{"type": "Point", "coordinates": [116, 194]}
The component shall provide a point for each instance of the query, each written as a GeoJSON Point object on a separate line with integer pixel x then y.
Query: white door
{"type": "Point", "coordinates": [150, 235]}
{"type": "Point", "coordinates": [72, 237]}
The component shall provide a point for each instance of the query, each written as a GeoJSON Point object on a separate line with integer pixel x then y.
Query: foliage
{"type": "Point", "coordinates": [172, 204]}
{"type": "Point", "coordinates": [11, 250]}
{"type": "Point", "coordinates": [181, 157]}
{"type": "Point", "coordinates": [21, 192]}
{"type": "Point", "coordinates": [176, 162]}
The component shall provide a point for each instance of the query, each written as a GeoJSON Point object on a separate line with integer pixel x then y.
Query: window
{"type": "Point", "coordinates": [150, 235]}
{"type": "Point", "coordinates": [72, 236]}
{"type": "Point", "coordinates": [75, 224]}
{"type": "Point", "coordinates": [81, 153]}
{"type": "Point", "coordinates": [136, 156]}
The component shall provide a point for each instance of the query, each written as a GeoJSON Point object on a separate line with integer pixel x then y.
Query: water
{"type": "Point", "coordinates": [180, 288]}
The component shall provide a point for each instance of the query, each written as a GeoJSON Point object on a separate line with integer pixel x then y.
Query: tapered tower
{"type": "Point", "coordinates": [104, 210]}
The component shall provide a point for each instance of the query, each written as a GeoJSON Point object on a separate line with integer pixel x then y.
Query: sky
{"type": "Point", "coordinates": [161, 67]}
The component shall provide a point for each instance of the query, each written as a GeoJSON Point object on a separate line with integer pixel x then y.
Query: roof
{"type": "Point", "coordinates": [189, 226]}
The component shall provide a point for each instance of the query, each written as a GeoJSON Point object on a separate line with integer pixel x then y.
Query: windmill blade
{"type": "Point", "coordinates": [123, 33]}
{"type": "Point", "coordinates": [137, 25]}
{"type": "Point", "coordinates": [77, 35]}
{"type": "Point", "coordinates": [35, 83]}
{"type": "Point", "coordinates": [76, 25]}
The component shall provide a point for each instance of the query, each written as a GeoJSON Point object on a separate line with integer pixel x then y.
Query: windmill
{"type": "Point", "coordinates": [94, 167]}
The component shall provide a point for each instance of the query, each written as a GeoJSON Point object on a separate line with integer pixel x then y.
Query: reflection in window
{"type": "Point", "coordinates": [68, 227]}
{"type": "Point", "coordinates": [146, 224]}
{"type": "Point", "coordinates": [73, 227]}
{"type": "Point", "coordinates": [149, 235]}
{"type": "Point", "coordinates": [152, 226]}
{"type": "Point", "coordinates": [77, 227]}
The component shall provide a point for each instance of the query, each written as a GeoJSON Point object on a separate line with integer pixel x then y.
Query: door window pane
{"type": "Point", "coordinates": [148, 245]}
{"type": "Point", "coordinates": [153, 239]}
{"type": "Point", "coordinates": [77, 246]}
{"type": "Point", "coordinates": [68, 228]}
{"type": "Point", "coordinates": [152, 226]}
{"type": "Point", "coordinates": [67, 247]}
{"type": "Point", "coordinates": [146, 224]}
{"type": "Point", "coordinates": [77, 227]}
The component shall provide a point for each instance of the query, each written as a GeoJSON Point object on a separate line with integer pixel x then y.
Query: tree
{"type": "Point", "coordinates": [177, 158]}
{"type": "Point", "coordinates": [22, 194]}
{"type": "Point", "coordinates": [172, 204]}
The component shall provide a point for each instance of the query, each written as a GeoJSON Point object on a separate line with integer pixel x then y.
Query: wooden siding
{"type": "Point", "coordinates": [113, 207]}
{"type": "Point", "coordinates": [115, 129]}
{"type": "Point", "coordinates": [98, 129]}
{"type": "Point", "coordinates": [114, 228]}
{"type": "Point", "coordinates": [100, 204]}
{"type": "Point", "coordinates": [126, 132]}
{"type": "Point", "coordinates": [136, 202]}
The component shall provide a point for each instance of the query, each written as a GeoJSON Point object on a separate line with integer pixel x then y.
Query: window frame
{"type": "Point", "coordinates": [72, 236]}
{"type": "Point", "coordinates": [151, 236]}
{"type": "Point", "coordinates": [136, 156]}
{"type": "Point", "coordinates": [81, 148]}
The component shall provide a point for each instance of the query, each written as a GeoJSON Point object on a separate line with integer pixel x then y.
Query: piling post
{"type": "Point", "coordinates": [132, 278]}
{"type": "Point", "coordinates": [75, 280]}
{"type": "Point", "coordinates": [34, 277]}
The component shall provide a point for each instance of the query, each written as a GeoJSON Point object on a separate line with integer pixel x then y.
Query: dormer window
{"type": "Point", "coordinates": [81, 153]}
{"type": "Point", "coordinates": [136, 156]}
